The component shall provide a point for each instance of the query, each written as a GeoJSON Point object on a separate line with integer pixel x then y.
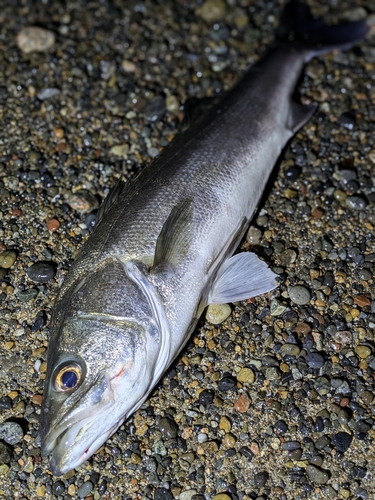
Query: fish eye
{"type": "Point", "coordinates": [68, 377]}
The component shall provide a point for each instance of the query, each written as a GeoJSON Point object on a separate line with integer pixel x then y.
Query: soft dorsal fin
{"type": "Point", "coordinates": [112, 196]}
{"type": "Point", "coordinates": [299, 114]}
{"type": "Point", "coordinates": [241, 277]}
{"type": "Point", "coordinates": [175, 237]}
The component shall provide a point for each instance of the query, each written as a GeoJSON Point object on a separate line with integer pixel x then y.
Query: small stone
{"type": "Point", "coordinates": [222, 496]}
{"type": "Point", "coordinates": [4, 469]}
{"type": "Point", "coordinates": [41, 272]}
{"type": "Point", "coordinates": [229, 440]}
{"type": "Point", "coordinates": [35, 39]}
{"type": "Point", "coordinates": [225, 424]}
{"type": "Point", "coordinates": [254, 235]}
{"type": "Point", "coordinates": [242, 404]}
{"type": "Point", "coordinates": [209, 447]}
{"type": "Point", "coordinates": [290, 350]}
{"type": "Point", "coordinates": [260, 479]}
{"type": "Point", "coordinates": [317, 475]}
{"type": "Point", "coordinates": [83, 201]}
{"type": "Point", "coordinates": [206, 397]}
{"type": "Point", "coordinates": [47, 93]}
{"type": "Point", "coordinates": [314, 360]}
{"type": "Point", "coordinates": [37, 399]}
{"type": "Point", "coordinates": [362, 301]}
{"type": "Point", "coordinates": [226, 384]}
{"type": "Point", "coordinates": [287, 257]}
{"type": "Point", "coordinates": [5, 454]}
{"type": "Point", "coordinates": [168, 428]}
{"type": "Point", "coordinates": [187, 494]}
{"type": "Point", "coordinates": [212, 10]}
{"type": "Point", "coordinates": [317, 213]}
{"type": "Point", "coordinates": [299, 294]}
{"type": "Point", "coordinates": [342, 441]}
{"type": "Point", "coordinates": [121, 150]}
{"type": "Point", "coordinates": [58, 132]}
{"type": "Point", "coordinates": [52, 225]}
{"type": "Point", "coordinates": [363, 351]}
{"type": "Point", "coordinates": [218, 313]}
{"type": "Point", "coordinates": [7, 259]}
{"type": "Point", "coordinates": [246, 376]}
{"type": "Point", "coordinates": [128, 66]}
{"type": "Point", "coordinates": [172, 104]}
{"type": "Point", "coordinates": [85, 489]}
{"type": "Point", "coordinates": [41, 491]}
{"type": "Point", "coordinates": [58, 488]}
{"type": "Point", "coordinates": [276, 308]}
{"type": "Point", "coordinates": [11, 432]}
{"type": "Point", "coordinates": [155, 109]}
{"type": "Point", "coordinates": [356, 202]}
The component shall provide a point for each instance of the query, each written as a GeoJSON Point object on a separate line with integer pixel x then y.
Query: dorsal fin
{"type": "Point", "coordinates": [111, 198]}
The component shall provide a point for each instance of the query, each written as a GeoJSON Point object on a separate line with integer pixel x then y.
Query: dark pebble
{"type": "Point", "coordinates": [356, 202]}
{"type": "Point", "coordinates": [246, 452]}
{"type": "Point", "coordinates": [227, 384]}
{"type": "Point", "coordinates": [102, 487]}
{"type": "Point", "coordinates": [162, 494]}
{"type": "Point", "coordinates": [5, 403]}
{"type": "Point", "coordinates": [260, 479]}
{"type": "Point", "coordinates": [269, 361]}
{"type": "Point", "coordinates": [39, 321]}
{"type": "Point", "coordinates": [314, 360]}
{"type": "Point", "coordinates": [291, 445]}
{"type": "Point", "coordinates": [292, 173]}
{"type": "Point", "coordinates": [168, 428]}
{"type": "Point", "coordinates": [91, 219]}
{"type": "Point", "coordinates": [41, 272]}
{"type": "Point", "coordinates": [206, 398]}
{"type": "Point", "coordinates": [342, 441]}
{"type": "Point", "coordinates": [47, 179]}
{"type": "Point", "coordinates": [5, 454]}
{"type": "Point", "coordinates": [347, 120]}
{"type": "Point", "coordinates": [322, 442]}
{"type": "Point", "coordinates": [362, 493]}
{"type": "Point", "coordinates": [155, 108]}
{"type": "Point", "coordinates": [358, 471]}
{"type": "Point", "coordinates": [319, 424]}
{"type": "Point", "coordinates": [281, 426]}
{"type": "Point", "coordinates": [58, 488]}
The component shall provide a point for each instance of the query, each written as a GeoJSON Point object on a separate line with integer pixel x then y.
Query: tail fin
{"type": "Point", "coordinates": [299, 27]}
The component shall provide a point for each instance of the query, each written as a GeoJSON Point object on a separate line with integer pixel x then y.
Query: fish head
{"type": "Point", "coordinates": [100, 369]}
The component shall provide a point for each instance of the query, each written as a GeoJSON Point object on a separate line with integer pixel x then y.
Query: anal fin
{"type": "Point", "coordinates": [241, 277]}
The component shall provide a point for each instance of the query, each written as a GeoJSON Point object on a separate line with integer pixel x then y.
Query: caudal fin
{"type": "Point", "coordinates": [299, 27]}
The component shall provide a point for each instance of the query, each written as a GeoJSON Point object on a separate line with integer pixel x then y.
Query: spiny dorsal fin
{"type": "Point", "coordinates": [241, 277]}
{"type": "Point", "coordinates": [175, 237]}
{"type": "Point", "coordinates": [112, 196]}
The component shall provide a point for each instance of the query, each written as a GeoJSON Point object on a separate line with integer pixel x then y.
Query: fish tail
{"type": "Point", "coordinates": [299, 27]}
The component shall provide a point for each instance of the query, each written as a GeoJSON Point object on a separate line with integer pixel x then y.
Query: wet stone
{"type": "Point", "coordinates": [322, 442]}
{"type": "Point", "coordinates": [162, 494]}
{"type": "Point", "coordinates": [11, 432]}
{"type": "Point", "coordinates": [342, 441]}
{"type": "Point", "coordinates": [227, 384]}
{"type": "Point", "coordinates": [7, 259]}
{"type": "Point", "coordinates": [155, 109]}
{"type": "Point", "coordinates": [356, 202]}
{"type": "Point", "coordinates": [58, 488]}
{"type": "Point", "coordinates": [291, 445]}
{"type": "Point", "coordinates": [48, 93]}
{"type": "Point", "coordinates": [5, 403]}
{"type": "Point", "coordinates": [85, 489]}
{"type": "Point", "coordinates": [281, 426]}
{"type": "Point", "coordinates": [206, 397]}
{"type": "Point", "coordinates": [168, 428]}
{"type": "Point", "coordinates": [246, 375]}
{"type": "Point", "coordinates": [5, 454]}
{"type": "Point", "coordinates": [299, 294]}
{"type": "Point", "coordinates": [41, 272]}
{"type": "Point", "coordinates": [218, 313]}
{"type": "Point", "coordinates": [212, 10]}
{"type": "Point", "coordinates": [260, 479]}
{"type": "Point", "coordinates": [314, 360]}
{"type": "Point", "coordinates": [29, 294]}
{"type": "Point", "coordinates": [254, 235]}
{"type": "Point", "coordinates": [83, 201]}
{"type": "Point", "coordinates": [363, 351]}
{"type": "Point", "coordinates": [290, 350]}
{"type": "Point", "coordinates": [35, 39]}
{"type": "Point", "coordinates": [316, 474]}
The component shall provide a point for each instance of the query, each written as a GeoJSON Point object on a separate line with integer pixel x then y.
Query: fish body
{"type": "Point", "coordinates": [162, 250]}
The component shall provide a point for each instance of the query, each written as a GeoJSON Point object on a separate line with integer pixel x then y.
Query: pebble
{"type": "Point", "coordinates": [221, 496]}
{"type": "Point", "coordinates": [121, 150]}
{"type": "Point", "coordinates": [41, 272]}
{"type": "Point", "coordinates": [218, 313]}
{"type": "Point", "coordinates": [317, 475]}
{"type": "Point", "coordinates": [5, 454]}
{"type": "Point", "coordinates": [83, 201]}
{"type": "Point", "coordinates": [254, 235]}
{"type": "Point", "coordinates": [35, 39]}
{"type": "Point", "coordinates": [7, 259]}
{"type": "Point", "coordinates": [155, 109]}
{"type": "Point", "coordinates": [242, 403]}
{"type": "Point", "coordinates": [168, 428]}
{"type": "Point", "coordinates": [290, 350]}
{"type": "Point", "coordinates": [11, 432]}
{"type": "Point", "coordinates": [314, 360]}
{"type": "Point", "coordinates": [52, 225]}
{"type": "Point", "coordinates": [85, 489]}
{"type": "Point", "coordinates": [363, 351]}
{"type": "Point", "coordinates": [260, 479]}
{"type": "Point", "coordinates": [212, 10]}
{"type": "Point", "coordinates": [299, 294]}
{"type": "Point", "coordinates": [48, 93]}
{"type": "Point", "coordinates": [246, 375]}
{"type": "Point", "coordinates": [187, 494]}
{"type": "Point", "coordinates": [342, 441]}
{"type": "Point", "coordinates": [356, 202]}
{"type": "Point", "coordinates": [172, 104]}
{"type": "Point", "coordinates": [225, 424]}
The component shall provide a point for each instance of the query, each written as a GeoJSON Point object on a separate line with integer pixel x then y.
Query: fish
{"type": "Point", "coordinates": [164, 247]}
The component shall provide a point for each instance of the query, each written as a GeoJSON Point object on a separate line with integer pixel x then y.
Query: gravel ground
{"type": "Point", "coordinates": [276, 402]}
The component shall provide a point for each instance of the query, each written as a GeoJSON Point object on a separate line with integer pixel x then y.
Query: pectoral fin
{"type": "Point", "coordinates": [175, 238]}
{"type": "Point", "coordinates": [241, 277]}
{"type": "Point", "coordinates": [300, 114]}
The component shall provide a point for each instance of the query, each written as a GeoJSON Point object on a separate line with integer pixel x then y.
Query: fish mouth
{"type": "Point", "coordinates": [75, 437]}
